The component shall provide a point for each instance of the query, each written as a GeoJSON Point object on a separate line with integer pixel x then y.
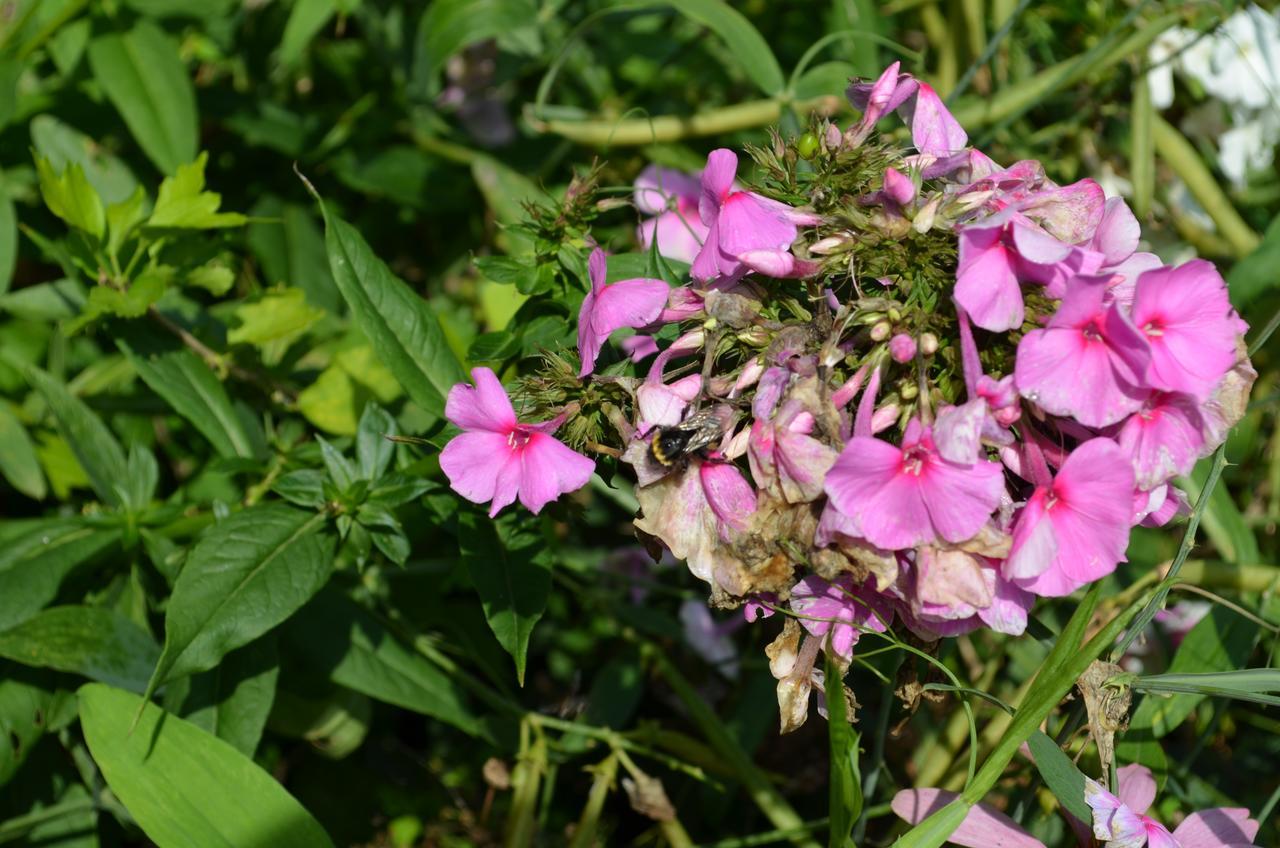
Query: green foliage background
{"type": "Point", "coordinates": [200, 361]}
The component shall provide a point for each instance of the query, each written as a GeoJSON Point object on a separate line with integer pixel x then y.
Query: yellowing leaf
{"type": "Point", "coordinates": [275, 322]}
{"type": "Point", "coordinates": [330, 402]}
{"type": "Point", "coordinates": [363, 366]}
{"type": "Point", "coordinates": [183, 203]}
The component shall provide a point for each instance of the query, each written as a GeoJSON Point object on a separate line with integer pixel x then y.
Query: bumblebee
{"type": "Point", "coordinates": [672, 445]}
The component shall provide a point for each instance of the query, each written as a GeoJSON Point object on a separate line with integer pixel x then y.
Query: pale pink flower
{"type": "Point", "coordinates": [841, 609]}
{"type": "Point", "coordinates": [671, 198]}
{"type": "Point", "coordinates": [496, 458]}
{"type": "Point", "coordinates": [983, 826]}
{"type": "Point", "coordinates": [626, 303]}
{"type": "Point", "coordinates": [746, 231]}
{"type": "Point", "coordinates": [934, 130]}
{"type": "Point", "coordinates": [900, 497]}
{"type": "Point", "coordinates": [1075, 529]}
{"type": "Point", "coordinates": [1088, 362]}
{"type": "Point", "coordinates": [1120, 821]}
{"type": "Point", "coordinates": [1189, 324]}
{"type": "Point", "coordinates": [783, 454]}
{"type": "Point", "coordinates": [1162, 439]}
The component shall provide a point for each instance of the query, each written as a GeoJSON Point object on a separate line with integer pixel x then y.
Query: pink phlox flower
{"type": "Point", "coordinates": [745, 230]}
{"type": "Point", "coordinates": [626, 303]}
{"type": "Point", "coordinates": [900, 497]}
{"type": "Point", "coordinates": [1165, 503]}
{"type": "Point", "coordinates": [1117, 234]}
{"type": "Point", "coordinates": [671, 198]}
{"type": "Point", "coordinates": [983, 827]}
{"type": "Point", "coordinates": [1002, 399]}
{"type": "Point", "coordinates": [840, 611]}
{"type": "Point", "coordinates": [1074, 530]}
{"type": "Point", "coordinates": [1162, 439]}
{"type": "Point", "coordinates": [496, 458]}
{"type": "Point", "coordinates": [1088, 362]}
{"type": "Point", "coordinates": [786, 458]}
{"type": "Point", "coordinates": [988, 273]}
{"type": "Point", "coordinates": [1071, 213]}
{"type": "Point", "coordinates": [1121, 821]}
{"type": "Point", "coordinates": [934, 130]}
{"type": "Point", "coordinates": [1187, 320]}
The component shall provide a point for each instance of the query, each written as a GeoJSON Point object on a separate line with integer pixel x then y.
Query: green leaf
{"type": "Point", "coordinates": [330, 402]}
{"type": "Point", "coordinates": [95, 642]}
{"type": "Point", "coordinates": [213, 278]}
{"type": "Point", "coordinates": [510, 565]}
{"type": "Point", "coordinates": [184, 204]}
{"type": "Point", "coordinates": [144, 78]}
{"type": "Point", "coordinates": [450, 25]}
{"type": "Point", "coordinates": [1248, 684]}
{"type": "Point", "coordinates": [189, 386]}
{"type": "Point", "coordinates": [278, 318]}
{"type": "Point", "coordinates": [845, 781]}
{"type": "Point", "coordinates": [233, 700]}
{"type": "Point", "coordinates": [93, 444]}
{"type": "Point", "coordinates": [1223, 522]}
{"type": "Point", "coordinates": [71, 197]}
{"type": "Point", "coordinates": [291, 250]}
{"type": "Point", "coordinates": [747, 46]}
{"type": "Point", "coordinates": [63, 145]}
{"type": "Point", "coordinates": [8, 241]}
{"type": "Point", "coordinates": [18, 461]}
{"type": "Point", "coordinates": [27, 699]}
{"type": "Point", "coordinates": [1221, 641]}
{"type": "Point", "coordinates": [335, 636]}
{"type": "Point", "coordinates": [404, 332]}
{"type": "Point", "coordinates": [304, 487]}
{"type": "Point", "coordinates": [306, 19]}
{"type": "Point", "coordinates": [147, 288]}
{"type": "Point", "coordinates": [1064, 780]}
{"type": "Point", "coordinates": [123, 218]}
{"type": "Point", "coordinates": [340, 469]}
{"type": "Point", "coordinates": [244, 577]}
{"type": "Point", "coordinates": [33, 566]}
{"type": "Point", "coordinates": [373, 449]}
{"type": "Point", "coordinates": [1255, 275]}
{"type": "Point", "coordinates": [186, 787]}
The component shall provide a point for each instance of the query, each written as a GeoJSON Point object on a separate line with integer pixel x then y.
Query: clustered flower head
{"type": "Point", "coordinates": [902, 385]}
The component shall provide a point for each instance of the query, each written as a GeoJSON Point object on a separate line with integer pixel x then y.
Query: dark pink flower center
{"type": "Point", "coordinates": [914, 460]}
{"type": "Point", "coordinates": [518, 438]}
{"type": "Point", "coordinates": [1092, 331]}
{"type": "Point", "coordinates": [1154, 327]}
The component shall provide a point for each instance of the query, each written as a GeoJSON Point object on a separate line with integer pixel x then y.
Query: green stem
{"type": "Point", "coordinates": [18, 827]}
{"type": "Point", "coordinates": [1178, 153]}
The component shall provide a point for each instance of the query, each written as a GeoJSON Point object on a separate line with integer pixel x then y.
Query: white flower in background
{"type": "Point", "coordinates": [1238, 64]}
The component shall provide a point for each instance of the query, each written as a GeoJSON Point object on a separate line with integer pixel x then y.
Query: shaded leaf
{"type": "Point", "coordinates": [18, 462]}
{"type": "Point", "coordinates": [233, 700]}
{"type": "Point", "coordinates": [846, 778]}
{"type": "Point", "coordinates": [95, 642]}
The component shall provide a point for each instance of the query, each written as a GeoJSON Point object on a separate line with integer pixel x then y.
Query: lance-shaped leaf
{"type": "Point", "coordinates": [33, 566]}
{"type": "Point", "coordinates": [98, 643]}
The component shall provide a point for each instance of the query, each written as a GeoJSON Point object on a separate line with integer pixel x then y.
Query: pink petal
{"type": "Point", "coordinates": [960, 498]}
{"type": "Point", "coordinates": [1118, 233]}
{"type": "Point", "coordinates": [898, 186]}
{"type": "Point", "coordinates": [803, 463]}
{"type": "Point", "coordinates": [1137, 787]}
{"type": "Point", "coordinates": [867, 486]}
{"type": "Point", "coordinates": [550, 469]}
{"type": "Point", "coordinates": [1158, 835]}
{"type": "Point", "coordinates": [1035, 547]}
{"type": "Point", "coordinates": [958, 431]}
{"type": "Point", "coordinates": [597, 267]}
{"type": "Point", "coordinates": [663, 405]}
{"type": "Point", "coordinates": [1034, 244]}
{"type": "Point", "coordinates": [1008, 610]}
{"type": "Point", "coordinates": [710, 262]}
{"type": "Point", "coordinates": [717, 182]}
{"type": "Point", "coordinates": [656, 186]}
{"type": "Point", "coordinates": [748, 223]}
{"type": "Point", "coordinates": [728, 494]}
{"type": "Point", "coordinates": [771, 263]}
{"type": "Point", "coordinates": [983, 827]}
{"type": "Point", "coordinates": [639, 347]}
{"type": "Point", "coordinates": [474, 461]}
{"type": "Point", "coordinates": [1188, 322]}
{"type": "Point", "coordinates": [986, 286]}
{"type": "Point", "coordinates": [484, 407]}
{"type": "Point", "coordinates": [1071, 213]}
{"type": "Point", "coordinates": [1221, 827]}
{"type": "Point", "coordinates": [1163, 439]}
{"type": "Point", "coordinates": [627, 303]}
{"type": "Point", "coordinates": [1113, 822]}
{"type": "Point", "coordinates": [933, 128]}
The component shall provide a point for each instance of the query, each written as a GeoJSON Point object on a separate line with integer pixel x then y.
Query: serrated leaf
{"type": "Point", "coordinates": [335, 636]}
{"type": "Point", "coordinates": [94, 642]}
{"type": "Point", "coordinates": [510, 566]}
{"type": "Point", "coordinates": [244, 577]}
{"type": "Point", "coordinates": [184, 786]}
{"type": "Point", "coordinates": [184, 204]}
{"type": "Point", "coordinates": [141, 294]}
{"type": "Point", "coordinates": [69, 195]}
{"type": "Point", "coordinates": [274, 322]}
{"type": "Point", "coordinates": [144, 78]}
{"type": "Point", "coordinates": [401, 327]}
{"type": "Point", "coordinates": [304, 487]}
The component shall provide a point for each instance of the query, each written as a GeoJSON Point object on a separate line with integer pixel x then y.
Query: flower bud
{"type": "Point", "coordinates": [881, 331]}
{"type": "Point", "coordinates": [884, 417]}
{"type": "Point", "coordinates": [909, 390]}
{"type": "Point", "coordinates": [831, 244]}
{"type": "Point", "coordinates": [923, 221]}
{"type": "Point", "coordinates": [902, 348]}
{"type": "Point", "coordinates": [928, 344]}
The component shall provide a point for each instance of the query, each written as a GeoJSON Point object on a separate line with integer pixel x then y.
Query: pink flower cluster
{"type": "Point", "coordinates": [934, 445]}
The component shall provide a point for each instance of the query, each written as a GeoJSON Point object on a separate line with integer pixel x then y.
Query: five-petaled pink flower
{"type": "Point", "coordinates": [1088, 362]}
{"type": "Point", "coordinates": [900, 497]}
{"type": "Point", "coordinates": [1075, 529]}
{"type": "Point", "coordinates": [841, 609]}
{"type": "Point", "coordinates": [626, 303]}
{"type": "Point", "coordinates": [496, 458]}
{"type": "Point", "coordinates": [671, 198]}
{"type": "Point", "coordinates": [745, 230]}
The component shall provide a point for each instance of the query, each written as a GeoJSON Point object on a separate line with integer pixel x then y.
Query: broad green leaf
{"type": "Point", "coordinates": [1064, 780]}
{"type": "Point", "coordinates": [93, 444]}
{"type": "Point", "coordinates": [189, 386]}
{"type": "Point", "coordinates": [510, 566]}
{"type": "Point", "coordinates": [53, 301]}
{"type": "Point", "coordinates": [185, 787]}
{"type": "Point", "coordinates": [71, 197]}
{"type": "Point", "coordinates": [18, 461]}
{"type": "Point", "coordinates": [244, 577]}
{"type": "Point", "coordinates": [8, 241]}
{"type": "Point", "coordinates": [64, 145]}
{"type": "Point", "coordinates": [143, 76]}
{"type": "Point", "coordinates": [306, 19]}
{"type": "Point", "coordinates": [1221, 641]}
{"type": "Point", "coordinates": [1255, 275]}
{"type": "Point", "coordinates": [403, 330]}
{"type": "Point", "coordinates": [330, 402]}
{"type": "Point", "coordinates": [33, 566]}
{"type": "Point", "coordinates": [290, 246]}
{"type": "Point", "coordinates": [340, 469]}
{"type": "Point", "coordinates": [27, 699]}
{"type": "Point", "coordinates": [304, 487]}
{"type": "Point", "coordinates": [98, 643]}
{"type": "Point", "coordinates": [335, 636]}
{"type": "Point", "coordinates": [846, 780]}
{"type": "Point", "coordinates": [233, 699]}
{"type": "Point", "coordinates": [184, 204]}
{"type": "Point", "coordinates": [67, 47]}
{"type": "Point", "coordinates": [746, 45]}
{"type": "Point", "coordinates": [374, 450]}
{"type": "Point", "coordinates": [279, 318]}
{"type": "Point", "coordinates": [336, 721]}
{"type": "Point", "coordinates": [450, 25]}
